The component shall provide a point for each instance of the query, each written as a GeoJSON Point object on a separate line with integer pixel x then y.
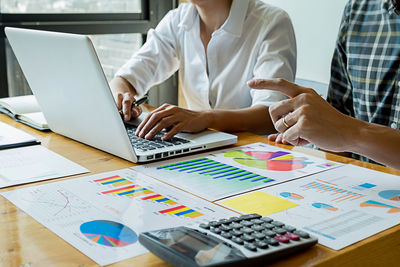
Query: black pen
{"type": "Point", "coordinates": [136, 103]}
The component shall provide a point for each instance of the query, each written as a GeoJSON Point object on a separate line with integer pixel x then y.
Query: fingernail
{"type": "Point", "coordinates": [250, 83]}
{"type": "Point", "coordinates": [126, 117]}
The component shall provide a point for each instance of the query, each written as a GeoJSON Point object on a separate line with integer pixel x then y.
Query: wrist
{"type": "Point", "coordinates": [356, 135]}
{"type": "Point", "coordinates": [207, 117]}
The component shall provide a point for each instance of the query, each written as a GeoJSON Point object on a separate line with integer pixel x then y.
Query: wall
{"type": "Point", "coordinates": [316, 23]}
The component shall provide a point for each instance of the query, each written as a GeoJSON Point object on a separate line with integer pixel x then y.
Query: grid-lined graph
{"type": "Point", "coordinates": [334, 190]}
{"type": "Point", "coordinates": [216, 170]}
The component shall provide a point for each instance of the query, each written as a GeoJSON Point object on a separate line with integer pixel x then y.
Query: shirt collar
{"type": "Point", "coordinates": [234, 23]}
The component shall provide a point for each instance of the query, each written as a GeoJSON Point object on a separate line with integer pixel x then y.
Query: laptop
{"type": "Point", "coordinates": [66, 77]}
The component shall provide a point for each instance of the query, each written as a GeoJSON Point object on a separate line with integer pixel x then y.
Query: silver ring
{"type": "Point", "coordinates": [284, 121]}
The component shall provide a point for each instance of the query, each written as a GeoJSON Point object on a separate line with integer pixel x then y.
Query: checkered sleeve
{"type": "Point", "coordinates": [340, 87]}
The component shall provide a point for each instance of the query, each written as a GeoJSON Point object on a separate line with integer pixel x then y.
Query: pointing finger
{"type": "Point", "coordinates": [288, 88]}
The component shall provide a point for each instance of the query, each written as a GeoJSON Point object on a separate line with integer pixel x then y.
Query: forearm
{"type": "Point", "coordinates": [120, 85]}
{"type": "Point", "coordinates": [254, 119]}
{"type": "Point", "coordinates": [377, 142]}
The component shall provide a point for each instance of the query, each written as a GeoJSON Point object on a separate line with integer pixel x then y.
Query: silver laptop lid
{"type": "Point", "coordinates": [66, 77]}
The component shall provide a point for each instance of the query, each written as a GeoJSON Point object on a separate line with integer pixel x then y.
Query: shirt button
{"type": "Point", "coordinates": [394, 125]}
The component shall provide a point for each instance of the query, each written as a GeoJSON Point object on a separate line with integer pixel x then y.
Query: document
{"type": "Point", "coordinates": [34, 163]}
{"type": "Point", "coordinates": [232, 171]}
{"type": "Point", "coordinates": [13, 137]}
{"type": "Point", "coordinates": [103, 214]}
{"type": "Point", "coordinates": [340, 206]}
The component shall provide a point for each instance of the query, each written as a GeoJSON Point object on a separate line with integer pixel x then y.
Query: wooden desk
{"type": "Point", "coordinates": [25, 242]}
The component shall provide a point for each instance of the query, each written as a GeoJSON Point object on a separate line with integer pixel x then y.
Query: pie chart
{"type": "Point", "coordinates": [108, 233]}
{"type": "Point", "coordinates": [324, 206]}
{"type": "Point", "coordinates": [390, 195]}
{"type": "Point", "coordinates": [274, 161]}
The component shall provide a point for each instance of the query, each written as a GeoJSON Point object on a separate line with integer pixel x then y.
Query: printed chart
{"type": "Point", "coordinates": [102, 214]}
{"type": "Point", "coordinates": [340, 206]}
{"type": "Point", "coordinates": [108, 233]}
{"type": "Point", "coordinates": [215, 176]}
{"type": "Point", "coordinates": [274, 161]}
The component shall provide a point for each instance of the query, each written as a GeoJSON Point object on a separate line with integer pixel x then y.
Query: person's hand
{"type": "Point", "coordinates": [174, 120]}
{"type": "Point", "coordinates": [306, 117]}
{"type": "Point", "coordinates": [123, 93]}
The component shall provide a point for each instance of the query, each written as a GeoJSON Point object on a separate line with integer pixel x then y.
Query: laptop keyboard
{"type": "Point", "coordinates": [144, 145]}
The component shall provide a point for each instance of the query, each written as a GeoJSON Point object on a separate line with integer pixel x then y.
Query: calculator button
{"type": "Point", "coordinates": [261, 244]}
{"type": "Point", "coordinates": [269, 233]}
{"type": "Point", "coordinates": [236, 233]}
{"type": "Point", "coordinates": [246, 223]}
{"type": "Point", "coordinates": [216, 230]}
{"type": "Point", "coordinates": [224, 221]}
{"type": "Point", "coordinates": [226, 235]}
{"type": "Point", "coordinates": [236, 225]}
{"type": "Point", "coordinates": [234, 219]}
{"type": "Point", "coordinates": [247, 238]}
{"type": "Point", "coordinates": [257, 228]}
{"type": "Point", "coordinates": [302, 234]}
{"type": "Point", "coordinates": [251, 247]}
{"type": "Point", "coordinates": [279, 231]}
{"type": "Point", "coordinates": [246, 230]}
{"type": "Point", "coordinates": [214, 224]}
{"type": "Point", "coordinates": [257, 221]}
{"type": "Point", "coordinates": [272, 242]}
{"type": "Point", "coordinates": [255, 216]}
{"type": "Point", "coordinates": [238, 240]}
{"type": "Point", "coordinates": [246, 217]}
{"type": "Point", "coordinates": [282, 238]}
{"type": "Point", "coordinates": [266, 219]}
{"type": "Point", "coordinates": [289, 228]}
{"type": "Point", "coordinates": [268, 225]}
{"type": "Point", "coordinates": [258, 235]}
{"type": "Point", "coordinates": [225, 228]}
{"type": "Point", "coordinates": [292, 236]}
{"type": "Point", "coordinates": [205, 226]}
{"type": "Point", "coordinates": [277, 223]}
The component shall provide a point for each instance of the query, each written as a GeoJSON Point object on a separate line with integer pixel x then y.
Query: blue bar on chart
{"type": "Point", "coordinates": [214, 169]}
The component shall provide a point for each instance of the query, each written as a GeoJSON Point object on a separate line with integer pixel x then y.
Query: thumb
{"type": "Point", "coordinates": [281, 85]}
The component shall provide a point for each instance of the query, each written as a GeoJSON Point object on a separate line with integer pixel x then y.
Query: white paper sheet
{"type": "Point", "coordinates": [34, 163]}
{"type": "Point", "coordinates": [341, 206]}
{"type": "Point", "coordinates": [103, 214]}
{"type": "Point", "coordinates": [218, 175]}
{"type": "Point", "coordinates": [10, 136]}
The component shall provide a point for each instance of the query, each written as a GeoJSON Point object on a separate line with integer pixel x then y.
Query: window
{"type": "Point", "coordinates": [116, 27]}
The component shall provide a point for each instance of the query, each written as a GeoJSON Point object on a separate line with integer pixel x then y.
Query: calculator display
{"type": "Point", "coordinates": [201, 249]}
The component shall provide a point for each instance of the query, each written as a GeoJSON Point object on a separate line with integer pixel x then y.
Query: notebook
{"type": "Point", "coordinates": [66, 77]}
{"type": "Point", "coordinates": [24, 109]}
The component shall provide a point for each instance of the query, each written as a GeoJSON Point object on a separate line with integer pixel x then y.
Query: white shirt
{"type": "Point", "coordinates": [256, 41]}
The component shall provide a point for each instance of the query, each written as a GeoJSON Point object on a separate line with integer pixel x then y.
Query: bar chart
{"type": "Point", "coordinates": [216, 170]}
{"type": "Point", "coordinates": [209, 178]}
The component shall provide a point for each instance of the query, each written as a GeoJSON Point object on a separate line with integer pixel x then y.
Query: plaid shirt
{"type": "Point", "coordinates": [365, 76]}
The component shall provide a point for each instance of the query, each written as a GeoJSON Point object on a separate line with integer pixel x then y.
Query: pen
{"type": "Point", "coordinates": [136, 103]}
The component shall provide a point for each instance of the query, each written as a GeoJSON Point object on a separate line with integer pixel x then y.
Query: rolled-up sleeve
{"type": "Point", "coordinates": [276, 59]}
{"type": "Point", "coordinates": [156, 60]}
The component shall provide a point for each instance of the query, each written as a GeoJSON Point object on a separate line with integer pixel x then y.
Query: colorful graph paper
{"type": "Point", "coordinates": [332, 189]}
{"type": "Point", "coordinates": [216, 170]}
{"type": "Point", "coordinates": [274, 161]}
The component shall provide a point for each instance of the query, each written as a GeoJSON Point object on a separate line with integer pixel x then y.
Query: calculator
{"type": "Point", "coordinates": [248, 239]}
